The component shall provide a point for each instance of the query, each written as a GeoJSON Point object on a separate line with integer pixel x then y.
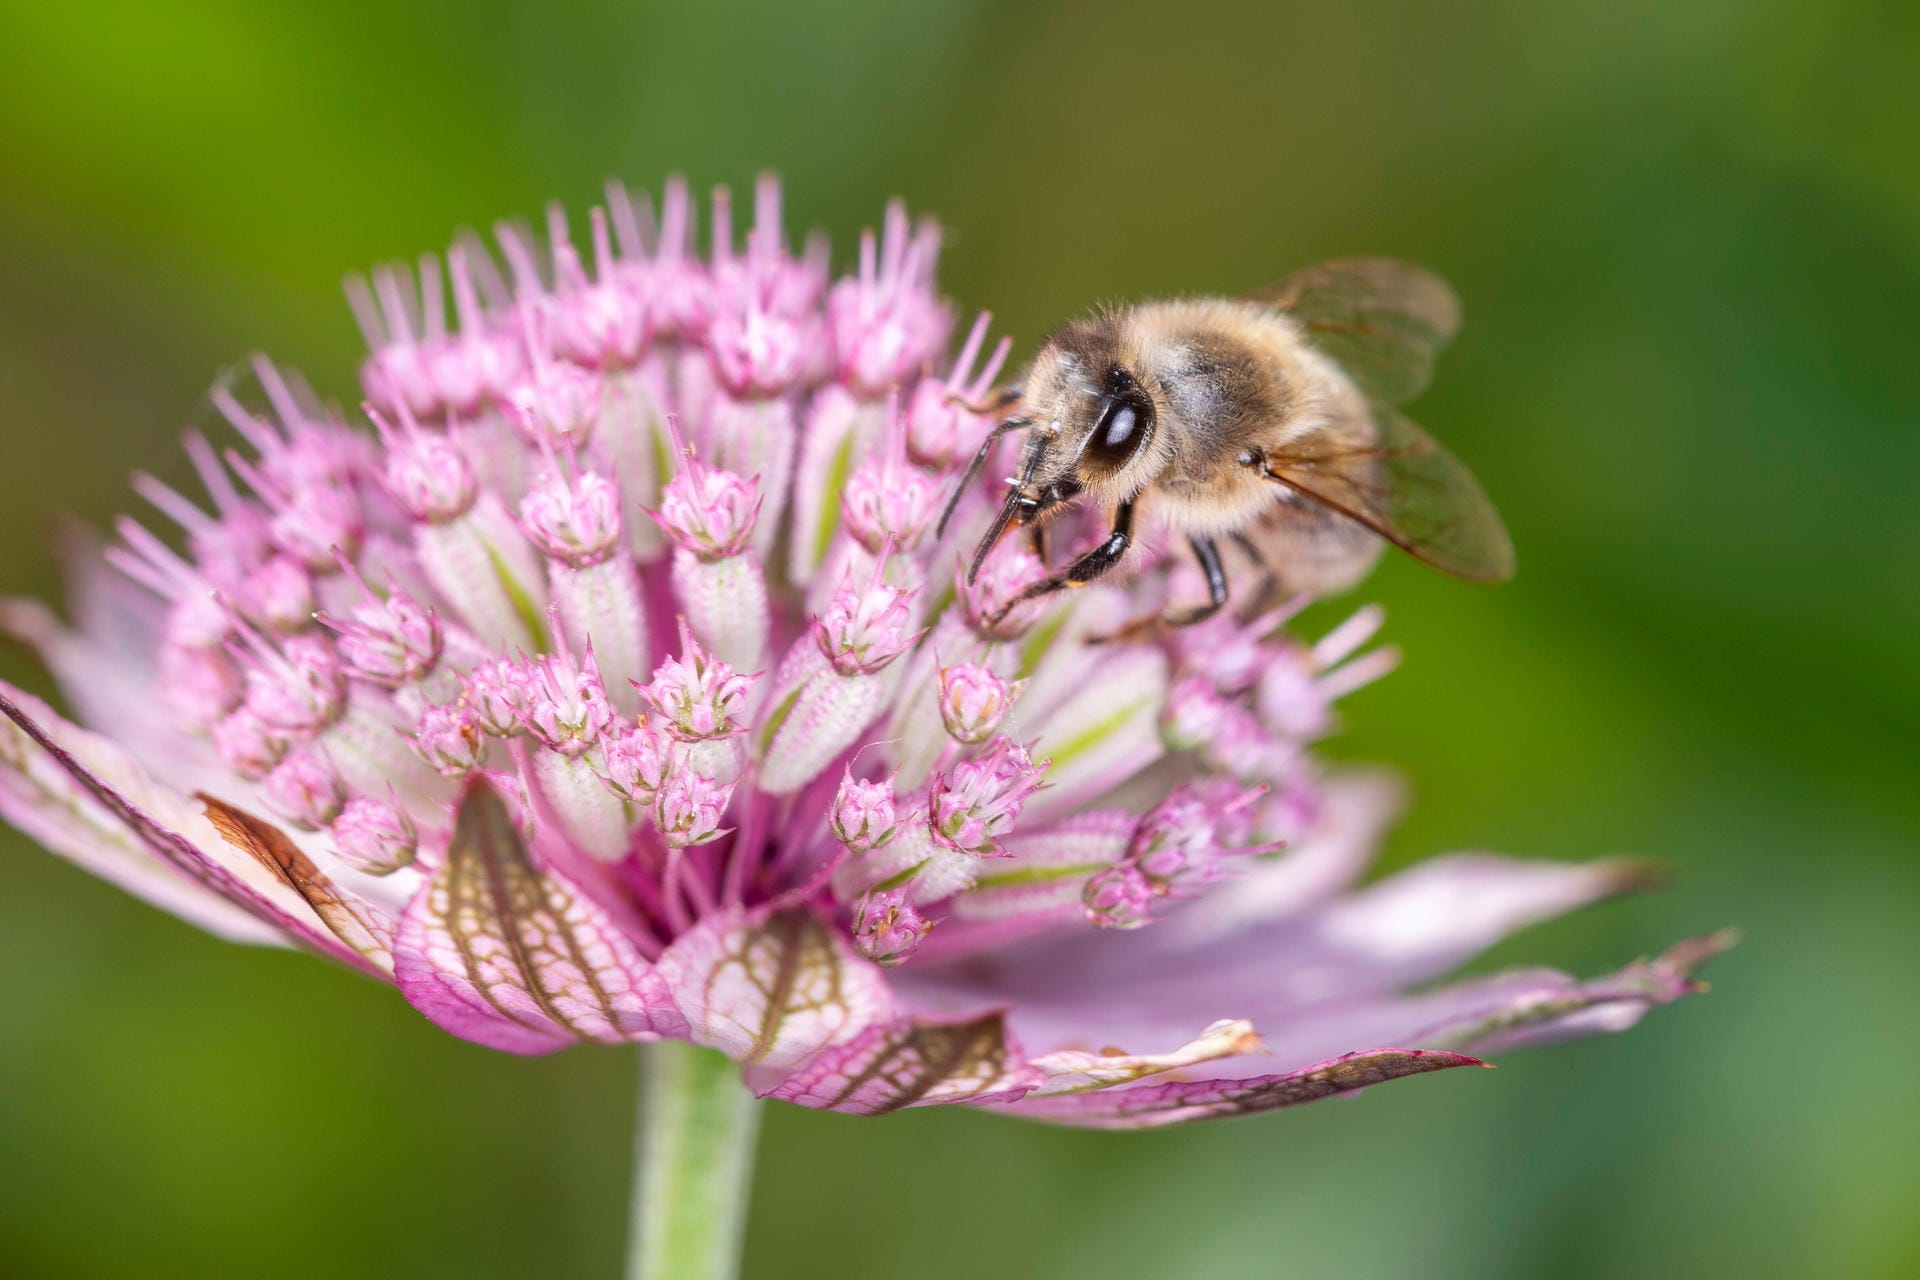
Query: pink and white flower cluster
{"type": "Point", "coordinates": [608, 684]}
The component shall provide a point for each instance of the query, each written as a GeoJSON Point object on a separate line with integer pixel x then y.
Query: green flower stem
{"type": "Point", "coordinates": [693, 1165]}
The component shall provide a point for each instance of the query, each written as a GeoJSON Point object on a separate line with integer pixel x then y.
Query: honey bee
{"type": "Point", "coordinates": [1267, 420]}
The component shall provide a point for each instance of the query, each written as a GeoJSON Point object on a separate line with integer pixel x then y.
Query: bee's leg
{"type": "Point", "coordinates": [1208, 555]}
{"type": "Point", "coordinates": [1037, 539]}
{"type": "Point", "coordinates": [1084, 570]}
{"type": "Point", "coordinates": [1269, 587]}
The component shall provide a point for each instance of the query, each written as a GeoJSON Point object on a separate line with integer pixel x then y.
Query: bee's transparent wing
{"type": "Point", "coordinates": [1384, 321]}
{"type": "Point", "coordinates": [1405, 487]}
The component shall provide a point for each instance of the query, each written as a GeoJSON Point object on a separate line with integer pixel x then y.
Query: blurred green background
{"type": "Point", "coordinates": [1688, 238]}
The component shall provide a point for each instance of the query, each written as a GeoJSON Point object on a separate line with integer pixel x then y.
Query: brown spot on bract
{"type": "Point", "coordinates": [273, 849]}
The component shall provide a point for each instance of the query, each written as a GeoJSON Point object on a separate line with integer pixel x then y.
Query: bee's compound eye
{"type": "Point", "coordinates": [1126, 417]}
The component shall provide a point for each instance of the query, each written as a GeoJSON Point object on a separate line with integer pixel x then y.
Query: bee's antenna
{"type": "Point", "coordinates": [973, 470]}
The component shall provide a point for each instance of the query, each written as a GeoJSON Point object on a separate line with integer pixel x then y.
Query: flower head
{"type": "Point", "coordinates": [849, 875]}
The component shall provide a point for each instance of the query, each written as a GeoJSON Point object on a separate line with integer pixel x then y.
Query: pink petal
{"type": "Point", "coordinates": [773, 988]}
{"type": "Point", "coordinates": [912, 1064]}
{"type": "Point", "coordinates": [82, 796]}
{"type": "Point", "coordinates": [1175, 1102]}
{"type": "Point", "coordinates": [503, 953]}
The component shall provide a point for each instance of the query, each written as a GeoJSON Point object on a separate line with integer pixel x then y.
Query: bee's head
{"type": "Point", "coordinates": [1091, 417]}
{"type": "Point", "coordinates": [1087, 421]}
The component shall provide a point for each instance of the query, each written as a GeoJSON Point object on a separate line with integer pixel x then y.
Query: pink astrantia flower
{"type": "Point", "coordinates": [430, 697]}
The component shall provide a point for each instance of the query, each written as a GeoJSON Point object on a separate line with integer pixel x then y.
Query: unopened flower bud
{"type": "Point", "coordinates": [278, 594]}
{"type": "Point", "coordinates": [198, 621]}
{"type": "Point", "coordinates": [484, 361]}
{"type": "Point", "coordinates": [688, 808]}
{"type": "Point", "coordinates": [1118, 897]}
{"type": "Point", "coordinates": [1177, 844]}
{"type": "Point", "coordinates": [200, 685]}
{"type": "Point", "coordinates": [1007, 573]}
{"type": "Point", "coordinates": [318, 523]}
{"type": "Point", "coordinates": [374, 836]}
{"type": "Point", "coordinates": [939, 432]}
{"type": "Point", "coordinates": [246, 746]}
{"type": "Point", "coordinates": [430, 478]}
{"type": "Point", "coordinates": [758, 352]}
{"type": "Point", "coordinates": [449, 740]}
{"type": "Point", "coordinates": [391, 642]}
{"type": "Point", "coordinates": [1242, 747]}
{"type": "Point", "coordinates": [971, 807]}
{"type": "Point", "coordinates": [885, 323]}
{"type": "Point", "coordinates": [888, 497]}
{"type": "Point", "coordinates": [556, 400]}
{"type": "Point", "coordinates": [866, 627]}
{"type": "Point", "coordinates": [498, 695]}
{"type": "Point", "coordinates": [862, 814]}
{"type": "Point", "coordinates": [299, 690]}
{"type": "Point", "coordinates": [707, 512]}
{"type": "Point", "coordinates": [1193, 714]}
{"type": "Point", "coordinates": [941, 428]}
{"type": "Point", "coordinates": [306, 791]}
{"type": "Point", "coordinates": [568, 709]}
{"type": "Point", "coordinates": [973, 702]}
{"type": "Point", "coordinates": [634, 763]}
{"type": "Point", "coordinates": [575, 520]}
{"type": "Point", "coordinates": [699, 696]}
{"type": "Point", "coordinates": [887, 927]}
{"type": "Point", "coordinates": [603, 321]}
